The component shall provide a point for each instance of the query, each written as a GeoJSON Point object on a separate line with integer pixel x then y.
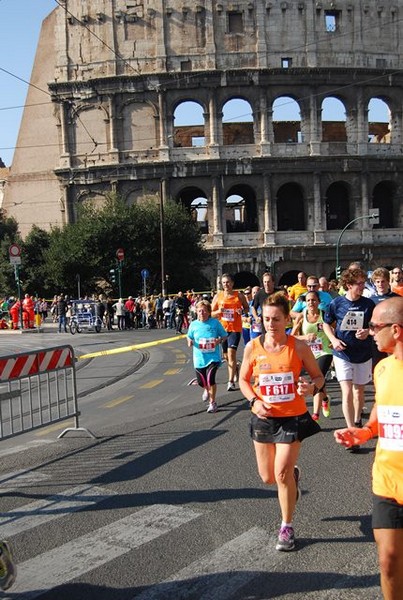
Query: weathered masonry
{"type": "Point", "coordinates": [267, 190]}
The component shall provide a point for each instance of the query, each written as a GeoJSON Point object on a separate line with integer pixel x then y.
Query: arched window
{"type": "Point", "coordinates": [241, 209]}
{"type": "Point", "coordinates": [337, 206]}
{"type": "Point", "coordinates": [286, 120]}
{"type": "Point", "coordinates": [196, 203]}
{"type": "Point", "coordinates": [189, 125]}
{"type": "Point", "coordinates": [290, 208]}
{"type": "Point", "coordinates": [379, 122]}
{"type": "Point", "coordinates": [384, 198]}
{"type": "Point", "coordinates": [333, 120]}
{"type": "Point", "coordinates": [237, 122]}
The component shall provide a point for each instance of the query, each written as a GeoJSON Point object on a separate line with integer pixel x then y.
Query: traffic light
{"type": "Point", "coordinates": [112, 275]}
{"type": "Point", "coordinates": [338, 272]}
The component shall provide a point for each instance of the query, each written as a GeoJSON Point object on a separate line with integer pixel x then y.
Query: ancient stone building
{"type": "Point", "coordinates": [266, 191]}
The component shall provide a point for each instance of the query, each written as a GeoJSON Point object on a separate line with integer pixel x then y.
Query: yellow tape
{"type": "Point", "coordinates": [130, 348]}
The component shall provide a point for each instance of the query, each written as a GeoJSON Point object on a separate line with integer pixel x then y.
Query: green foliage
{"type": "Point", "coordinates": [88, 248]}
{"type": "Point", "coordinates": [8, 235]}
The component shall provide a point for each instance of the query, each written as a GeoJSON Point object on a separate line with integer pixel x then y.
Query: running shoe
{"type": "Point", "coordinates": [8, 570]}
{"type": "Point", "coordinates": [231, 386]}
{"type": "Point", "coordinates": [315, 416]}
{"type": "Point", "coordinates": [326, 406]}
{"type": "Point", "coordinates": [286, 539]}
{"type": "Point", "coordinates": [358, 423]}
{"type": "Point", "coordinates": [205, 396]}
{"type": "Point", "coordinates": [212, 407]}
{"type": "Point", "coordinates": [297, 477]}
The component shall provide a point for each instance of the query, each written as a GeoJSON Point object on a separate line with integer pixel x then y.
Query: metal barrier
{"type": "Point", "coordinates": [38, 388]}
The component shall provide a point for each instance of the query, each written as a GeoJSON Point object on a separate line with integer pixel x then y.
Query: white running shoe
{"type": "Point", "coordinates": [205, 396]}
{"type": "Point", "coordinates": [212, 407]}
{"type": "Point", "coordinates": [231, 386]}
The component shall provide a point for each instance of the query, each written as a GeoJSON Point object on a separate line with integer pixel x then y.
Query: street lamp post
{"type": "Point", "coordinates": [374, 216]}
{"type": "Point", "coordinates": [162, 200]}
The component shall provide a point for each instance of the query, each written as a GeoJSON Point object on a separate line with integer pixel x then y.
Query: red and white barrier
{"type": "Point", "coordinates": [32, 363]}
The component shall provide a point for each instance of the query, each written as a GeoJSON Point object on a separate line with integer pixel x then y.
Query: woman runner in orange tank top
{"type": "Point", "coordinates": [270, 380]}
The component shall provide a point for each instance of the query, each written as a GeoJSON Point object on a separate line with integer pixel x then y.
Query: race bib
{"type": "Point", "coordinates": [352, 321]}
{"type": "Point", "coordinates": [206, 344]}
{"type": "Point", "coordinates": [257, 327]}
{"type": "Point", "coordinates": [316, 346]}
{"type": "Point", "coordinates": [277, 387]}
{"type": "Point", "coordinates": [390, 425]}
{"type": "Point", "coordinates": [228, 314]}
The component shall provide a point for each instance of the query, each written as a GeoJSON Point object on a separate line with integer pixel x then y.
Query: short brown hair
{"type": "Point", "coordinates": [278, 299]}
{"type": "Point", "coordinates": [380, 272]}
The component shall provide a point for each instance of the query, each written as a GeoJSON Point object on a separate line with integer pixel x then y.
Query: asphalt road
{"type": "Point", "coordinates": [166, 502]}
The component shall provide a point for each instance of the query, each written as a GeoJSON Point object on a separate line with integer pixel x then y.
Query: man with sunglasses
{"type": "Point", "coordinates": [312, 284]}
{"type": "Point", "coordinates": [386, 423]}
{"type": "Point", "coordinates": [346, 326]}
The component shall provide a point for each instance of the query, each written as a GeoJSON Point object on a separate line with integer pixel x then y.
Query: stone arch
{"type": "Point", "coordinates": [237, 122]}
{"type": "Point", "coordinates": [188, 124]}
{"type": "Point", "coordinates": [337, 205]}
{"type": "Point", "coordinates": [286, 120]}
{"type": "Point", "coordinates": [290, 208]}
{"type": "Point", "coordinates": [384, 198]}
{"type": "Point", "coordinates": [334, 120]}
{"type": "Point", "coordinates": [244, 279]}
{"type": "Point", "coordinates": [241, 209]}
{"type": "Point", "coordinates": [138, 125]}
{"type": "Point", "coordinates": [90, 125]}
{"type": "Point", "coordinates": [289, 278]}
{"type": "Point", "coordinates": [379, 121]}
{"type": "Point", "coordinates": [196, 202]}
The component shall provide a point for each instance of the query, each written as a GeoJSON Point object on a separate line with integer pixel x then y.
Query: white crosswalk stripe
{"type": "Point", "coordinates": [229, 569]}
{"type": "Point", "coordinates": [46, 510]}
{"type": "Point", "coordinates": [90, 551]}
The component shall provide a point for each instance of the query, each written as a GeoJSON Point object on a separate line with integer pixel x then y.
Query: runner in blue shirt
{"type": "Point", "coordinates": [346, 326]}
{"type": "Point", "coordinates": [205, 335]}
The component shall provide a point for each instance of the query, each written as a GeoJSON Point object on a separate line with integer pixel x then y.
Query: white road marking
{"type": "Point", "coordinates": [90, 551]}
{"type": "Point", "coordinates": [50, 508]}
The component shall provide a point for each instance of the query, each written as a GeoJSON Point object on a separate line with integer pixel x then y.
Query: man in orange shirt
{"type": "Point", "coordinates": [396, 281]}
{"type": "Point", "coordinates": [386, 422]}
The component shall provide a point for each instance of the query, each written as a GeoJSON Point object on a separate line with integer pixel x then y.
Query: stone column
{"type": "Point", "coordinates": [269, 233]}
{"type": "Point", "coordinates": [362, 124]}
{"type": "Point", "coordinates": [163, 146]}
{"type": "Point", "coordinates": [367, 231]}
{"type": "Point", "coordinates": [264, 125]}
{"type": "Point", "coordinates": [213, 129]}
{"type": "Point", "coordinates": [65, 156]}
{"type": "Point", "coordinates": [318, 211]}
{"type": "Point", "coordinates": [315, 119]}
{"type": "Point", "coordinates": [113, 150]}
{"type": "Point", "coordinates": [216, 197]}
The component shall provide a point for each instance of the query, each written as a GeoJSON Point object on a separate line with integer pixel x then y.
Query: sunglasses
{"type": "Point", "coordinates": [376, 327]}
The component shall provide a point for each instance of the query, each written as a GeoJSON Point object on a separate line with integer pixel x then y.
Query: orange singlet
{"type": "Point", "coordinates": [275, 375]}
{"type": "Point", "coordinates": [231, 308]}
{"type": "Point", "coordinates": [387, 475]}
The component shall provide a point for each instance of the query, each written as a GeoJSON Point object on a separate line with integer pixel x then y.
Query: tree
{"type": "Point", "coordinates": [88, 247]}
{"type": "Point", "coordinates": [8, 235]}
{"type": "Point", "coordinates": [33, 272]}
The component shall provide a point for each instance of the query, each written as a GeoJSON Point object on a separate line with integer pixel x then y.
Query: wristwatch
{"type": "Point", "coordinates": [252, 401]}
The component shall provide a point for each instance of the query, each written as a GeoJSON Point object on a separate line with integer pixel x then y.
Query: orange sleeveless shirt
{"type": "Point", "coordinates": [387, 470]}
{"type": "Point", "coordinates": [275, 376]}
{"type": "Point", "coordinates": [231, 318]}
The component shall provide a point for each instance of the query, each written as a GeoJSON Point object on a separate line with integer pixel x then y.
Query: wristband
{"type": "Point", "coordinates": [370, 431]}
{"type": "Point", "coordinates": [252, 401]}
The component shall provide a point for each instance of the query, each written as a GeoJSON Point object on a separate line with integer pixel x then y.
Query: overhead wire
{"type": "Point", "coordinates": [200, 74]}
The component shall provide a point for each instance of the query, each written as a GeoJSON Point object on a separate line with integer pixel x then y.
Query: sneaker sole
{"type": "Point", "coordinates": [284, 549]}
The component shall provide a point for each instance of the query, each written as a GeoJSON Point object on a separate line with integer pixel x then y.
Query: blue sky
{"type": "Point", "coordinates": [20, 27]}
